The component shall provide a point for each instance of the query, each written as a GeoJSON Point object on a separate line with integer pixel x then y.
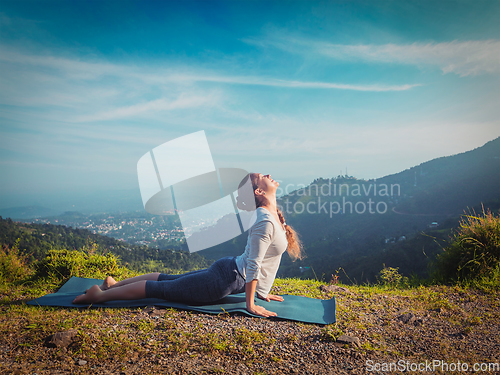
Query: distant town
{"type": "Point", "coordinates": [132, 227]}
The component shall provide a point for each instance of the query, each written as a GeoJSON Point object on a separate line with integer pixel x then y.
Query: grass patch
{"type": "Point", "coordinates": [13, 264]}
{"type": "Point", "coordinates": [369, 312]}
{"type": "Point", "coordinates": [473, 257]}
{"type": "Point", "coordinates": [331, 332]}
{"type": "Point", "coordinates": [298, 287]}
{"type": "Point", "coordinates": [60, 265]}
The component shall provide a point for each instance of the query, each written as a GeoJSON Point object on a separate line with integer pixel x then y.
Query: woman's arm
{"type": "Point", "coordinates": [250, 297]}
{"type": "Point", "coordinates": [261, 237]}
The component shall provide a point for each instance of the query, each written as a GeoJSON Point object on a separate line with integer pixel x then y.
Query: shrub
{"type": "Point", "coordinates": [13, 264]}
{"type": "Point", "coordinates": [474, 253]}
{"type": "Point", "coordinates": [391, 277]}
{"type": "Point", "coordinates": [60, 265]}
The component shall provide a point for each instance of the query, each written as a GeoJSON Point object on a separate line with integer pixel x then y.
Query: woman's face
{"type": "Point", "coordinates": [266, 183]}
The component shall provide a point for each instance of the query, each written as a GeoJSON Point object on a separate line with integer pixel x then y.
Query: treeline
{"type": "Point", "coordinates": [436, 191]}
{"type": "Point", "coordinates": [412, 256]}
{"type": "Point", "coordinates": [361, 254]}
{"type": "Point", "coordinates": [35, 240]}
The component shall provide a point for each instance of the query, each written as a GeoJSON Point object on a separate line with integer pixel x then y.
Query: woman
{"type": "Point", "coordinates": [252, 272]}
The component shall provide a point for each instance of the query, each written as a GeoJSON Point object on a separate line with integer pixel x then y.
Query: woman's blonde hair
{"type": "Point", "coordinates": [294, 248]}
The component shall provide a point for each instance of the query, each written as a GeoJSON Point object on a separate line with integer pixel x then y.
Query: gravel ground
{"type": "Point", "coordinates": [419, 325]}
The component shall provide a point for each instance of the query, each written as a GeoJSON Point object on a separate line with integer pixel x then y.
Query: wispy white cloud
{"type": "Point", "coordinates": [70, 68]}
{"type": "Point", "coordinates": [182, 102]}
{"type": "Point", "coordinates": [463, 58]}
{"type": "Point", "coordinates": [31, 80]}
{"type": "Point", "coordinates": [273, 82]}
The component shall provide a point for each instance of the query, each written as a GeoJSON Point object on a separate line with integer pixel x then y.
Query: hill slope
{"type": "Point", "coordinates": [36, 239]}
{"type": "Point", "coordinates": [350, 223]}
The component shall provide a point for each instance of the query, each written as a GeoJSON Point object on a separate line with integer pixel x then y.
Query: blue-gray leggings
{"type": "Point", "coordinates": [219, 280]}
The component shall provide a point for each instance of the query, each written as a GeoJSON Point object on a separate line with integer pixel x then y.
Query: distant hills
{"type": "Point", "coordinates": [28, 212]}
{"type": "Point", "coordinates": [86, 202]}
{"type": "Point", "coordinates": [449, 184]}
{"type": "Point", "coordinates": [36, 239]}
{"type": "Point", "coordinates": [401, 220]}
{"type": "Point", "coordinates": [341, 228]}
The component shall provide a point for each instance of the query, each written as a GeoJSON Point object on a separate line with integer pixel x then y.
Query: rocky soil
{"type": "Point", "coordinates": [375, 329]}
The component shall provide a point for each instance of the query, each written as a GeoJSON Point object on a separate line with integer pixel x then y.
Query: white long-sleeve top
{"type": "Point", "coordinates": [261, 259]}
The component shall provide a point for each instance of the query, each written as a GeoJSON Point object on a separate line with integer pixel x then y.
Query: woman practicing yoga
{"type": "Point", "coordinates": [252, 272]}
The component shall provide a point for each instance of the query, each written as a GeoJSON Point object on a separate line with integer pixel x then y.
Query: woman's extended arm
{"type": "Point", "coordinates": [250, 297]}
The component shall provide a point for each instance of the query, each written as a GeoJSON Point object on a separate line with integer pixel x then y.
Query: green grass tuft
{"type": "Point", "coordinates": [13, 264]}
{"type": "Point", "coordinates": [60, 265]}
{"type": "Point", "coordinates": [390, 277]}
{"type": "Point", "coordinates": [474, 254]}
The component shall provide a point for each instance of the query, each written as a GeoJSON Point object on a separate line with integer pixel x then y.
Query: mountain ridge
{"type": "Point", "coordinates": [432, 192]}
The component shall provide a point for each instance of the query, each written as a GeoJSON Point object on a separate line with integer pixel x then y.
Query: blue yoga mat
{"type": "Point", "coordinates": [301, 309]}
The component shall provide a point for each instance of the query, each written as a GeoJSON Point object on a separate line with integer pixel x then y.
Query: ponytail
{"type": "Point", "coordinates": [294, 248]}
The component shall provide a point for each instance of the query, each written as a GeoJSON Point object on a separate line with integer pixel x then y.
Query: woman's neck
{"type": "Point", "coordinates": [270, 205]}
{"type": "Point", "coordinates": [273, 210]}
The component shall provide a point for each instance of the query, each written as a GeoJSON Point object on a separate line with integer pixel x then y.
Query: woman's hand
{"type": "Point", "coordinates": [251, 306]}
{"type": "Point", "coordinates": [259, 310]}
{"type": "Point", "coordinates": [271, 297]}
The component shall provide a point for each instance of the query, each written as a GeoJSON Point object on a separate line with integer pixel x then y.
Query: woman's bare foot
{"type": "Point", "coordinates": [108, 283]}
{"type": "Point", "coordinates": [91, 295]}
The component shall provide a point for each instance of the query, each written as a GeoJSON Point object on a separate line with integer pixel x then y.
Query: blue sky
{"type": "Point", "coordinates": [297, 89]}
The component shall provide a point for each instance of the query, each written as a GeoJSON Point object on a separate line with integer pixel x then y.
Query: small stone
{"type": "Point", "coordinates": [134, 356]}
{"type": "Point", "coordinates": [148, 310]}
{"type": "Point", "coordinates": [407, 318]}
{"type": "Point", "coordinates": [158, 312]}
{"type": "Point", "coordinates": [349, 340]}
{"type": "Point", "coordinates": [61, 339]}
{"type": "Point", "coordinates": [82, 362]}
{"type": "Point", "coordinates": [418, 322]}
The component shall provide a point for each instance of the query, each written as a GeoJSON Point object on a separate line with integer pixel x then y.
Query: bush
{"type": "Point", "coordinates": [474, 253]}
{"type": "Point", "coordinates": [13, 264]}
{"type": "Point", "coordinates": [390, 276]}
{"type": "Point", "coordinates": [60, 265]}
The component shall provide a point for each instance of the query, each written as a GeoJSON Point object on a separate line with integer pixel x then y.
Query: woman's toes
{"type": "Point", "coordinates": [108, 282]}
{"type": "Point", "coordinates": [79, 298]}
{"type": "Point", "coordinates": [90, 295]}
